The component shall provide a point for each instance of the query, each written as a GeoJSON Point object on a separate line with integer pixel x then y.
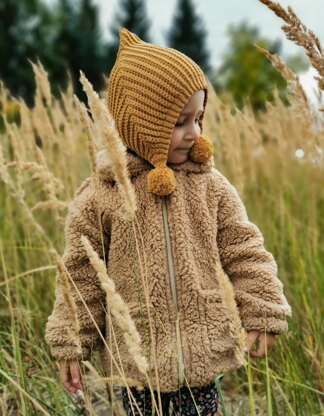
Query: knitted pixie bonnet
{"type": "Point", "coordinates": [148, 87]}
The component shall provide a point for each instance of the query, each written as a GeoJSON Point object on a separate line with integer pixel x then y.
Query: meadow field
{"type": "Point", "coordinates": [276, 161]}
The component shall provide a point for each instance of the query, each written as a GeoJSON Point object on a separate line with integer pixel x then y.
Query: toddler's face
{"type": "Point", "coordinates": [186, 129]}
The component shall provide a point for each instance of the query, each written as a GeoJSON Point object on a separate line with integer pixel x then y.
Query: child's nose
{"type": "Point", "coordinates": [194, 132]}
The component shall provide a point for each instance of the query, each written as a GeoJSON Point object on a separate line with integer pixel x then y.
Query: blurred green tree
{"type": "Point", "coordinates": [132, 15]}
{"type": "Point", "coordinates": [25, 33]}
{"type": "Point", "coordinates": [187, 34]}
{"type": "Point", "coordinates": [298, 62]}
{"type": "Point", "coordinates": [66, 36]}
{"type": "Point", "coordinates": [80, 44]}
{"type": "Point", "coordinates": [245, 72]}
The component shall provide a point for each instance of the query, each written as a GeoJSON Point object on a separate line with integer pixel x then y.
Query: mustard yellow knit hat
{"type": "Point", "coordinates": [148, 87]}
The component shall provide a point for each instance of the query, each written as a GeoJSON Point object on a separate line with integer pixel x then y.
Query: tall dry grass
{"type": "Point", "coordinates": [276, 162]}
{"type": "Point", "coordinates": [127, 191]}
{"type": "Point", "coordinates": [296, 31]}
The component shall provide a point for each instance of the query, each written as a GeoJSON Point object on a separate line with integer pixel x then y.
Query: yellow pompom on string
{"type": "Point", "coordinates": [161, 180]}
{"type": "Point", "coordinates": [202, 150]}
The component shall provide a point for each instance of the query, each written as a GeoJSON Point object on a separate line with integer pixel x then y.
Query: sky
{"type": "Point", "coordinates": [218, 15]}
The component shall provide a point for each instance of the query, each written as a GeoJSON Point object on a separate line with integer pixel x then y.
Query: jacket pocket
{"type": "Point", "coordinates": [217, 321]}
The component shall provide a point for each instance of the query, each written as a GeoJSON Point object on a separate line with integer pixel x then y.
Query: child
{"type": "Point", "coordinates": [208, 273]}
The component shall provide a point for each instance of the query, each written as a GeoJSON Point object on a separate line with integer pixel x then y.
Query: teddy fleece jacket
{"type": "Point", "coordinates": [186, 239]}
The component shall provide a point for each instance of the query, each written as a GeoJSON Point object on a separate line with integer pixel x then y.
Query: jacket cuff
{"type": "Point", "coordinates": [71, 353]}
{"type": "Point", "coordinates": [263, 315]}
{"type": "Point", "coordinates": [273, 325]}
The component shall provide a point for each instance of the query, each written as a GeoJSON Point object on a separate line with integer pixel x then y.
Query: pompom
{"type": "Point", "coordinates": [202, 150]}
{"type": "Point", "coordinates": [161, 181]}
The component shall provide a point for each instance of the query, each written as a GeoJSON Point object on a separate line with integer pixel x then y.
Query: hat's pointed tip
{"type": "Point", "coordinates": [127, 38]}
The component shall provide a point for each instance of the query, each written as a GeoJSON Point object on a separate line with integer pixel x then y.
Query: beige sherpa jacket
{"type": "Point", "coordinates": [187, 235]}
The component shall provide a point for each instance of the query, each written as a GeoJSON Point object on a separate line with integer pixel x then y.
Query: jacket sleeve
{"type": "Point", "coordinates": [250, 267]}
{"type": "Point", "coordinates": [82, 218]}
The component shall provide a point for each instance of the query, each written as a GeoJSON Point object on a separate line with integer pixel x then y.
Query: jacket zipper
{"type": "Point", "coordinates": [173, 289]}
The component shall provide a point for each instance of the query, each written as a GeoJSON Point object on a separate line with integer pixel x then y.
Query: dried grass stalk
{"type": "Point", "coordinates": [87, 124]}
{"type": "Point", "coordinates": [119, 308]}
{"type": "Point", "coordinates": [69, 301]}
{"type": "Point", "coordinates": [4, 175]}
{"type": "Point", "coordinates": [23, 392]}
{"type": "Point", "coordinates": [43, 87]}
{"type": "Point", "coordinates": [299, 99]}
{"type": "Point", "coordinates": [229, 301]}
{"type": "Point", "coordinates": [52, 185]}
{"type": "Point", "coordinates": [116, 149]}
{"type": "Point", "coordinates": [40, 170]}
{"type": "Point", "coordinates": [13, 136]}
{"type": "Point", "coordinates": [297, 32]}
{"type": "Point", "coordinates": [291, 78]}
{"type": "Point", "coordinates": [53, 204]}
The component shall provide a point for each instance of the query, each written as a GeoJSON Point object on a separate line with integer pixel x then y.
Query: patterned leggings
{"type": "Point", "coordinates": [206, 399]}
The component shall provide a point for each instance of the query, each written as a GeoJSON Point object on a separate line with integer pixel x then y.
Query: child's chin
{"type": "Point", "coordinates": [180, 157]}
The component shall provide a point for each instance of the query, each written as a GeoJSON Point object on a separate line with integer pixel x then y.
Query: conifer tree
{"type": "Point", "coordinates": [133, 16]}
{"type": "Point", "coordinates": [24, 35]}
{"type": "Point", "coordinates": [188, 34]}
{"type": "Point", "coordinates": [80, 42]}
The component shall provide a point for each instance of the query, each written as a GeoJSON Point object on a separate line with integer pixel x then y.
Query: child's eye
{"type": "Point", "coordinates": [179, 124]}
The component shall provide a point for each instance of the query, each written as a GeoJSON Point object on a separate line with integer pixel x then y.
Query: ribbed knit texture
{"type": "Point", "coordinates": [148, 87]}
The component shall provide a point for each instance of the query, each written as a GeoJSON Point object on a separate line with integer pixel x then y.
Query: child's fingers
{"type": "Point", "coordinates": [265, 342]}
{"type": "Point", "coordinates": [251, 338]}
{"type": "Point", "coordinates": [260, 352]}
{"type": "Point", "coordinates": [76, 374]}
{"type": "Point", "coordinates": [66, 377]}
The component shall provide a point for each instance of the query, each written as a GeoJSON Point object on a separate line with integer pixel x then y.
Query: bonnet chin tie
{"type": "Point", "coordinates": [161, 180]}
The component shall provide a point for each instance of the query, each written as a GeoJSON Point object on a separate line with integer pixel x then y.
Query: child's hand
{"type": "Point", "coordinates": [262, 339]}
{"type": "Point", "coordinates": [70, 375]}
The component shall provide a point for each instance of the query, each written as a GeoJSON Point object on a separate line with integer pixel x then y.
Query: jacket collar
{"type": "Point", "coordinates": [137, 165]}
